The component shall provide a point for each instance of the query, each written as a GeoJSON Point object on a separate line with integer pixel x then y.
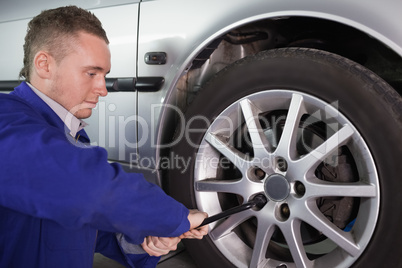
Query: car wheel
{"type": "Point", "coordinates": [319, 136]}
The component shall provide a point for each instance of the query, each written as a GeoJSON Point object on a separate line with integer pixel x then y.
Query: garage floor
{"type": "Point", "coordinates": [177, 259]}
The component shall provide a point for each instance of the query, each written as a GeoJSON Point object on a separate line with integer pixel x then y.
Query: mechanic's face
{"type": "Point", "coordinates": [79, 78]}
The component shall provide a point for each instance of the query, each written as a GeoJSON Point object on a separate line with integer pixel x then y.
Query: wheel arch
{"type": "Point", "coordinates": [361, 43]}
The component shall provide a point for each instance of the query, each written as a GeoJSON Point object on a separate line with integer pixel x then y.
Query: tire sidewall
{"type": "Point", "coordinates": [359, 95]}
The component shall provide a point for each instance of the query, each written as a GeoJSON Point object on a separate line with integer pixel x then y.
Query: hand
{"type": "Point", "coordinates": [158, 246]}
{"type": "Point", "coordinates": [195, 218]}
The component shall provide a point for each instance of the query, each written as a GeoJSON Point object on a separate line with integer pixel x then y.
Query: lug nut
{"type": "Point", "coordinates": [259, 173]}
{"type": "Point", "coordinates": [300, 189]}
{"type": "Point", "coordinates": [281, 164]}
{"type": "Point", "coordinates": [285, 211]}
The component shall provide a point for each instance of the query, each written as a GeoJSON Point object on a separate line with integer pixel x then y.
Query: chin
{"type": "Point", "coordinates": [83, 114]}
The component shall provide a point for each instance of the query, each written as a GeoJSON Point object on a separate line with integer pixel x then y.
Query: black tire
{"type": "Point", "coordinates": [370, 108]}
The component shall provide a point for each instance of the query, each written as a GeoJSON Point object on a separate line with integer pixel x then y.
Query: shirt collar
{"type": "Point", "coordinates": [72, 123]}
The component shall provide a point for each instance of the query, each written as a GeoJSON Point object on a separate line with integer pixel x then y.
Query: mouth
{"type": "Point", "coordinates": [89, 104]}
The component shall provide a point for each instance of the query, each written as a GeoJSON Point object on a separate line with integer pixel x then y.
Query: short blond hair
{"type": "Point", "coordinates": [53, 30]}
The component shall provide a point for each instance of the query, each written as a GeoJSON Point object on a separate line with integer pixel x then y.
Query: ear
{"type": "Point", "coordinates": [42, 64]}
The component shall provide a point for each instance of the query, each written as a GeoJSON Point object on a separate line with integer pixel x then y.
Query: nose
{"type": "Point", "coordinates": [101, 89]}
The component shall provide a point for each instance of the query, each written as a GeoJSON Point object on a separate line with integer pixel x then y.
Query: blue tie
{"type": "Point", "coordinates": [82, 136]}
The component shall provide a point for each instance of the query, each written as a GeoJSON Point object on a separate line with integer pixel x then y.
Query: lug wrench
{"type": "Point", "coordinates": [258, 201]}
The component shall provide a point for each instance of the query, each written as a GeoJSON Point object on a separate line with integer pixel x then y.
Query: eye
{"type": "Point", "coordinates": [91, 74]}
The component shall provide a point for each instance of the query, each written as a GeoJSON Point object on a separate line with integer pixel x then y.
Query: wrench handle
{"type": "Point", "coordinates": [227, 213]}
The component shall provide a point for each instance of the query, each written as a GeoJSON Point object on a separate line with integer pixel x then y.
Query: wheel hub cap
{"type": "Point", "coordinates": [277, 188]}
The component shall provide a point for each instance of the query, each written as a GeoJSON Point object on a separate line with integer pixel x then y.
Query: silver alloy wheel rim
{"type": "Point", "coordinates": [347, 245]}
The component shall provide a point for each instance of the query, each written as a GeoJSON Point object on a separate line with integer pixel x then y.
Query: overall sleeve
{"type": "Point", "coordinates": [47, 176]}
{"type": "Point", "coordinates": [115, 247]}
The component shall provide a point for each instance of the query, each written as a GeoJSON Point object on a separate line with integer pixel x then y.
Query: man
{"type": "Point", "coordinates": [60, 200]}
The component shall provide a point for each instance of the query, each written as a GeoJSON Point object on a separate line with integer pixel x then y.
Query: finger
{"type": "Point", "coordinates": [162, 245]}
{"type": "Point", "coordinates": [146, 246]}
{"type": "Point", "coordinates": [196, 217]}
{"type": "Point", "coordinates": [203, 230]}
{"type": "Point", "coordinates": [149, 247]}
{"type": "Point", "coordinates": [169, 243]}
{"type": "Point", "coordinates": [192, 235]}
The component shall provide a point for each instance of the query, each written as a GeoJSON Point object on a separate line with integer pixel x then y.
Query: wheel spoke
{"type": "Point", "coordinates": [242, 187]}
{"type": "Point", "coordinates": [263, 236]}
{"type": "Point", "coordinates": [287, 142]}
{"type": "Point", "coordinates": [230, 223]}
{"type": "Point", "coordinates": [260, 143]}
{"type": "Point", "coordinates": [354, 189]}
{"type": "Point", "coordinates": [343, 239]}
{"type": "Point", "coordinates": [236, 157]}
{"type": "Point", "coordinates": [219, 186]}
{"type": "Point", "coordinates": [292, 234]}
{"type": "Point", "coordinates": [310, 161]}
